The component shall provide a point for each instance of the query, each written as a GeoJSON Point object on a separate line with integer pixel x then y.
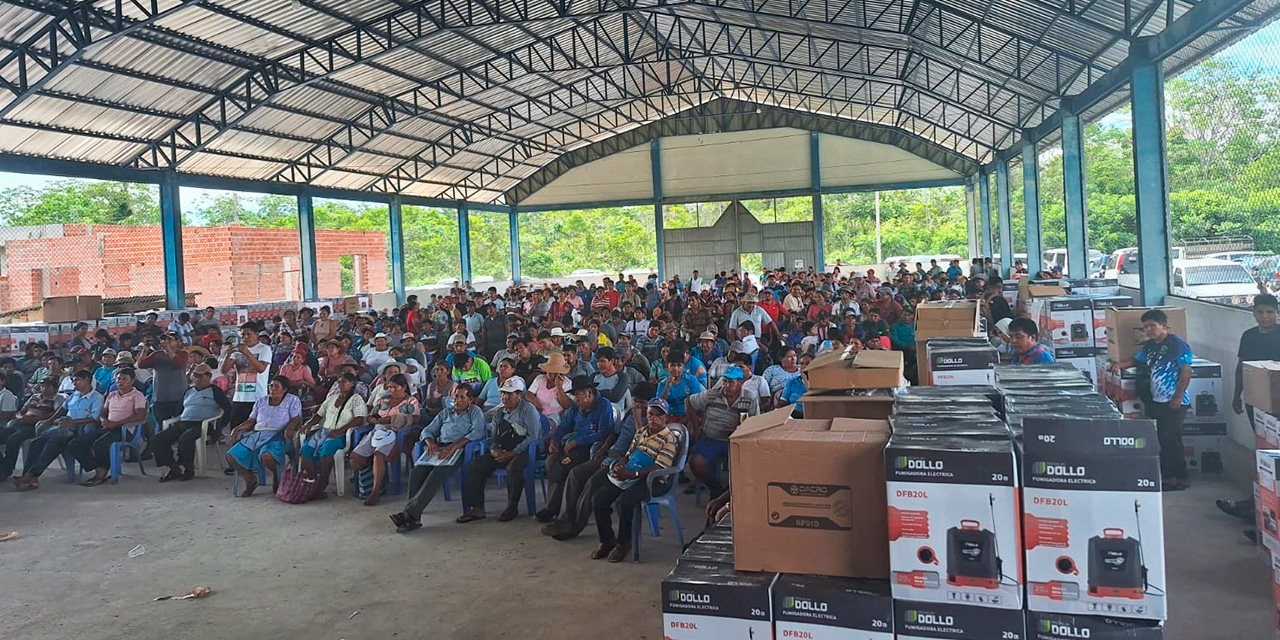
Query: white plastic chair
{"type": "Point", "coordinates": [206, 427]}
{"type": "Point", "coordinates": [339, 458]}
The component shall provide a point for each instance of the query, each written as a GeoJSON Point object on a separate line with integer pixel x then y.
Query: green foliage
{"type": "Point", "coordinates": [1223, 138]}
{"type": "Point", "coordinates": [80, 202]}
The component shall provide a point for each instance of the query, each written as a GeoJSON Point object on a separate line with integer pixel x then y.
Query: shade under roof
{"type": "Point", "coordinates": [485, 101]}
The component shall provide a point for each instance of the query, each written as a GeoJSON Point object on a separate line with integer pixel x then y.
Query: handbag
{"type": "Point", "coordinates": [507, 439]}
{"type": "Point", "coordinates": [364, 484]}
{"type": "Point", "coordinates": [296, 487]}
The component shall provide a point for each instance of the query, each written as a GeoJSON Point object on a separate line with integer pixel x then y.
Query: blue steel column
{"type": "Point", "coordinates": [1006, 218]}
{"type": "Point", "coordinates": [655, 167]}
{"type": "Point", "coordinates": [513, 227]}
{"type": "Point", "coordinates": [175, 287]}
{"type": "Point", "coordinates": [971, 216]}
{"type": "Point", "coordinates": [984, 207]}
{"type": "Point", "coordinates": [815, 183]}
{"type": "Point", "coordinates": [1151, 180]}
{"type": "Point", "coordinates": [1073, 196]}
{"type": "Point", "coordinates": [1031, 204]}
{"type": "Point", "coordinates": [396, 222]}
{"type": "Point", "coordinates": [464, 240]}
{"type": "Point", "coordinates": [307, 239]}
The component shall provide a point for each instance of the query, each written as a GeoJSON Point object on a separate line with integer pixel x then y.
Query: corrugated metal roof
{"type": "Point", "coordinates": [470, 99]}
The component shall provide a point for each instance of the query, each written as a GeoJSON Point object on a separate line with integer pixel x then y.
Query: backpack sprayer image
{"type": "Point", "coordinates": [1116, 568]}
{"type": "Point", "coordinates": [973, 554]}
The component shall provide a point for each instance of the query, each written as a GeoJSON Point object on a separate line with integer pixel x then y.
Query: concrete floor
{"type": "Point", "coordinates": [285, 571]}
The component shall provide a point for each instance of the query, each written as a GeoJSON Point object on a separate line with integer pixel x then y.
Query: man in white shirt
{"type": "Point", "coordinates": [696, 283]}
{"type": "Point", "coordinates": [749, 311]}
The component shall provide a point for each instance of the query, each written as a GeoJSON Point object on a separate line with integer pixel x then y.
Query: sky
{"type": "Point", "coordinates": [1260, 51]}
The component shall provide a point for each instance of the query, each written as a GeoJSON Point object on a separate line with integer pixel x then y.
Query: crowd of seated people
{"type": "Point", "coordinates": [592, 388]}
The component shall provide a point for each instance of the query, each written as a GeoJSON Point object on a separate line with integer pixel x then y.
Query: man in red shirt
{"type": "Point", "coordinates": [770, 306]}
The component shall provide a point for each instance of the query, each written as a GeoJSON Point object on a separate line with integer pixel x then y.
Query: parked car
{"type": "Point", "coordinates": [1122, 265]}
{"type": "Point", "coordinates": [577, 273]}
{"type": "Point", "coordinates": [1213, 280]}
{"type": "Point", "coordinates": [1058, 257]}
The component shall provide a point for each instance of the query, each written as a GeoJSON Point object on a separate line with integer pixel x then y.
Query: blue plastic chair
{"type": "Point", "coordinates": [651, 508]}
{"type": "Point", "coordinates": [260, 468]}
{"type": "Point", "coordinates": [137, 442]}
{"type": "Point", "coordinates": [472, 450]}
{"type": "Point", "coordinates": [530, 470]}
{"type": "Point", "coordinates": [698, 487]}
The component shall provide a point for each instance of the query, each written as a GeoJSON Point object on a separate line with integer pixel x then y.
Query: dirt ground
{"type": "Point", "coordinates": [286, 571]}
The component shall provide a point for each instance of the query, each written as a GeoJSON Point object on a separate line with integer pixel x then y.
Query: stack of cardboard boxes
{"type": "Point", "coordinates": [953, 320]}
{"type": "Point", "coordinates": [1071, 315]}
{"type": "Point", "coordinates": [806, 549]}
{"type": "Point", "coordinates": [1262, 396]}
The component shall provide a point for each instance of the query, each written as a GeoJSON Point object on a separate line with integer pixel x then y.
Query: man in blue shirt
{"type": "Point", "coordinates": [588, 422]}
{"type": "Point", "coordinates": [678, 385]}
{"type": "Point", "coordinates": [1168, 360]}
{"type": "Point", "coordinates": [447, 435]}
{"type": "Point", "coordinates": [1024, 338]}
{"type": "Point", "coordinates": [575, 506]}
{"type": "Point", "coordinates": [78, 415]}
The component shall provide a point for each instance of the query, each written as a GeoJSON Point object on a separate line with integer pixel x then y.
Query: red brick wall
{"type": "Point", "coordinates": [227, 265]}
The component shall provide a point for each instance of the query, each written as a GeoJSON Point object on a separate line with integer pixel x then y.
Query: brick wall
{"type": "Point", "coordinates": [227, 265]}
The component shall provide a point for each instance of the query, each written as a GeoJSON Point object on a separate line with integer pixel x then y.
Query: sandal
{"type": "Point", "coordinates": [469, 517]}
{"type": "Point", "coordinates": [398, 518]}
{"type": "Point", "coordinates": [94, 481]}
{"type": "Point", "coordinates": [409, 525]}
{"type": "Point", "coordinates": [249, 487]}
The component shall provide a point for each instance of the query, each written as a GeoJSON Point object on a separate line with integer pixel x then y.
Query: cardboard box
{"type": "Point", "coordinates": [1268, 504]}
{"type": "Point", "coordinates": [61, 309]}
{"type": "Point", "coordinates": [1124, 329]}
{"type": "Point", "coordinates": [934, 620]}
{"type": "Point", "coordinates": [1082, 358]}
{"type": "Point", "coordinates": [1093, 518]}
{"type": "Point", "coordinates": [707, 601]}
{"type": "Point", "coordinates": [88, 307]}
{"type": "Point", "coordinates": [1056, 626]}
{"type": "Point", "coordinates": [1067, 321]}
{"type": "Point", "coordinates": [825, 405]}
{"type": "Point", "coordinates": [810, 496]}
{"type": "Point", "coordinates": [953, 363]}
{"type": "Point", "coordinates": [1266, 429]}
{"type": "Point", "coordinates": [1029, 289]}
{"type": "Point", "coordinates": [824, 608]}
{"type": "Point", "coordinates": [1100, 306]}
{"type": "Point", "coordinates": [1262, 385]}
{"type": "Point", "coordinates": [844, 370]}
{"type": "Point", "coordinates": [1204, 452]}
{"type": "Point", "coordinates": [1205, 390]}
{"type": "Point", "coordinates": [954, 520]}
{"type": "Point", "coordinates": [957, 319]}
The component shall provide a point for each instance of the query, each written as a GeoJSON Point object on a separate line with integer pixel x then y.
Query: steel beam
{"type": "Point", "coordinates": [1151, 183]}
{"type": "Point", "coordinates": [815, 183]}
{"type": "Point", "coordinates": [513, 227]}
{"type": "Point", "coordinates": [655, 172]}
{"type": "Point", "coordinates": [1077, 217]}
{"type": "Point", "coordinates": [971, 216]}
{"type": "Point", "coordinates": [984, 213]}
{"type": "Point", "coordinates": [1031, 204]}
{"type": "Point", "coordinates": [307, 237]}
{"type": "Point", "coordinates": [1005, 218]}
{"type": "Point", "coordinates": [395, 221]}
{"type": "Point", "coordinates": [175, 288]}
{"type": "Point", "coordinates": [464, 241]}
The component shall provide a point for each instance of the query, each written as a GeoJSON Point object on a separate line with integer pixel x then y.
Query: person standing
{"type": "Point", "coordinates": [1258, 343]}
{"type": "Point", "coordinates": [1168, 359]}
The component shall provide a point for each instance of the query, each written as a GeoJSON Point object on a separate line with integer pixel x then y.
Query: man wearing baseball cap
{"type": "Point", "coordinates": [652, 448]}
{"type": "Point", "coordinates": [201, 401]}
{"type": "Point", "coordinates": [749, 311]}
{"type": "Point", "coordinates": [512, 429]}
{"type": "Point", "coordinates": [713, 416]}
